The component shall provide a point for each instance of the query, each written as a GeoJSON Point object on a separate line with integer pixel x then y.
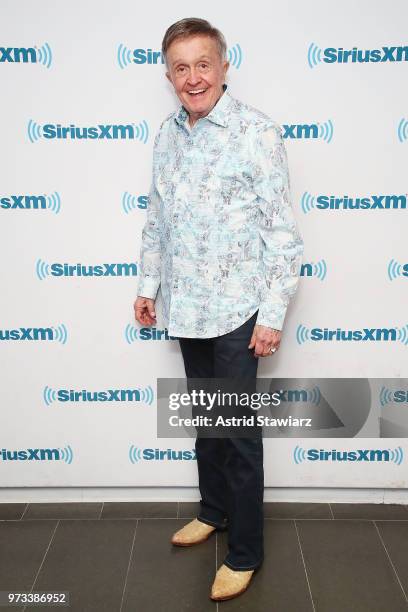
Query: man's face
{"type": "Point", "coordinates": [194, 65]}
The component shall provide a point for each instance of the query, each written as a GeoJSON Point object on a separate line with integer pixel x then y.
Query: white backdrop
{"type": "Point", "coordinates": [71, 64]}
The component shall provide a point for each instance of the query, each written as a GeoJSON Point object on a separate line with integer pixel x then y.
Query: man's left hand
{"type": "Point", "coordinates": [264, 339]}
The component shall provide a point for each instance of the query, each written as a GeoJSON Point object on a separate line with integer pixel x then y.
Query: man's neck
{"type": "Point", "coordinates": [192, 119]}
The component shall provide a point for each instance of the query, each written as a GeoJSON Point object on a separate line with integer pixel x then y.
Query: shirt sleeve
{"type": "Point", "coordinates": [281, 243]}
{"type": "Point", "coordinates": [150, 257]}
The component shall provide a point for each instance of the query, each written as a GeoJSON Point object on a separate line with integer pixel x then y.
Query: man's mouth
{"type": "Point", "coordinates": [197, 93]}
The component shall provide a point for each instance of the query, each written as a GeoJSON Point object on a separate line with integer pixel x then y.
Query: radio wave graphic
{"type": "Point", "coordinates": [66, 454]}
{"type": "Point", "coordinates": [54, 202]}
{"type": "Point", "coordinates": [402, 130]}
{"type": "Point", "coordinates": [326, 131]}
{"type": "Point", "coordinates": [234, 55]}
{"type": "Point", "coordinates": [314, 55]}
{"type": "Point", "coordinates": [314, 396]}
{"type": "Point", "coordinates": [307, 202]}
{"type": "Point", "coordinates": [60, 333]}
{"type": "Point", "coordinates": [147, 395]}
{"type": "Point", "coordinates": [397, 455]}
{"type": "Point", "coordinates": [385, 396]}
{"type": "Point", "coordinates": [44, 54]}
{"type": "Point", "coordinates": [394, 269]}
{"type": "Point", "coordinates": [42, 269]}
{"type": "Point", "coordinates": [135, 454]}
{"type": "Point", "coordinates": [124, 56]}
{"type": "Point", "coordinates": [299, 454]}
{"type": "Point", "coordinates": [34, 131]}
{"type": "Point", "coordinates": [320, 269]}
{"type": "Point", "coordinates": [302, 334]}
{"type": "Point", "coordinates": [128, 202]}
{"type": "Point", "coordinates": [403, 334]}
{"type": "Point", "coordinates": [49, 395]}
{"type": "Point", "coordinates": [131, 333]}
{"type": "Point", "coordinates": [142, 131]}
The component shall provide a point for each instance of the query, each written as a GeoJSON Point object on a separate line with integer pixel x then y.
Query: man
{"type": "Point", "coordinates": [221, 242]}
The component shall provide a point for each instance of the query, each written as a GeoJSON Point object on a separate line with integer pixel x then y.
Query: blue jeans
{"type": "Point", "coordinates": [230, 469]}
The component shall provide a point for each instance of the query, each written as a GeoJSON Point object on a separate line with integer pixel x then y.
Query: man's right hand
{"type": "Point", "coordinates": [144, 311]}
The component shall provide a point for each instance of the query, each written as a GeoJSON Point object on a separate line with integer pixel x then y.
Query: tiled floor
{"type": "Point", "coordinates": [116, 557]}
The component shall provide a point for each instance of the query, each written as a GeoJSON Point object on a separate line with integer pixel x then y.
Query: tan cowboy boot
{"type": "Point", "coordinates": [192, 533]}
{"type": "Point", "coordinates": [229, 583]}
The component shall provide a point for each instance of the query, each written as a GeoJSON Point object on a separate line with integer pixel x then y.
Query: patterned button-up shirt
{"type": "Point", "coordinates": [220, 238]}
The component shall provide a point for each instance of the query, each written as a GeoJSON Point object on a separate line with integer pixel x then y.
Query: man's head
{"type": "Point", "coordinates": [195, 56]}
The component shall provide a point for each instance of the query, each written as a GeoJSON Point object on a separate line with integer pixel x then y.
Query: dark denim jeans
{"type": "Point", "coordinates": [230, 469]}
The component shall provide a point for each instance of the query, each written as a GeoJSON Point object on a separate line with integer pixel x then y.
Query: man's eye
{"type": "Point", "coordinates": [180, 69]}
{"type": "Point", "coordinates": [203, 66]}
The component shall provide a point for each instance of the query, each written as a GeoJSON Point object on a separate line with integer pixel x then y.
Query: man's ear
{"type": "Point", "coordinates": [226, 66]}
{"type": "Point", "coordinates": [168, 76]}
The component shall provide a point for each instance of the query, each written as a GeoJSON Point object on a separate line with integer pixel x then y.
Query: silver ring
{"type": "Point", "coordinates": [272, 350]}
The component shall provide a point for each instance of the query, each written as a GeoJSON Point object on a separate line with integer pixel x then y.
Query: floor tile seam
{"type": "Point", "coordinates": [390, 561]}
{"type": "Point", "coordinates": [304, 564]}
{"type": "Point", "coordinates": [25, 510]}
{"type": "Point", "coordinates": [100, 514]}
{"type": "Point", "coordinates": [42, 561]}
{"type": "Point", "coordinates": [128, 567]}
{"type": "Point", "coordinates": [331, 510]}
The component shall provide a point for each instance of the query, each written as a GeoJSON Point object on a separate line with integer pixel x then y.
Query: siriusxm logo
{"type": "Point", "coordinates": [306, 131]}
{"type": "Point", "coordinates": [43, 269]}
{"type": "Point", "coordinates": [137, 454]}
{"type": "Point", "coordinates": [374, 202]}
{"type": "Point", "coordinates": [125, 56]}
{"type": "Point", "coordinates": [396, 269]}
{"type": "Point", "coordinates": [133, 333]}
{"type": "Point", "coordinates": [31, 202]}
{"type": "Point", "coordinates": [388, 397]}
{"type": "Point", "coordinates": [332, 55]}
{"type": "Point", "coordinates": [402, 130]}
{"type": "Point", "coordinates": [318, 269]}
{"type": "Point", "coordinates": [38, 454]}
{"type": "Point", "coordinates": [131, 202]}
{"type": "Point", "coordinates": [52, 131]}
{"type": "Point", "coordinates": [312, 396]}
{"type": "Point", "coordinates": [145, 395]}
{"type": "Point", "coordinates": [51, 334]}
{"type": "Point", "coordinates": [314, 454]}
{"type": "Point", "coordinates": [27, 55]}
{"type": "Point", "coordinates": [318, 334]}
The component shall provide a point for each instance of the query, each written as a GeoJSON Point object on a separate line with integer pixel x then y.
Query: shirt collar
{"type": "Point", "coordinates": [219, 114]}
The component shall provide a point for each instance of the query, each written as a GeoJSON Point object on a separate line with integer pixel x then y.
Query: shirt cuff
{"type": "Point", "coordinates": [271, 315]}
{"type": "Point", "coordinates": [148, 287]}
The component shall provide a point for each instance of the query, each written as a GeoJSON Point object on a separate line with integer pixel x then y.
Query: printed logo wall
{"type": "Point", "coordinates": [83, 96]}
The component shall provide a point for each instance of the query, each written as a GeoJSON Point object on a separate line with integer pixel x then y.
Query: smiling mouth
{"type": "Point", "coordinates": [197, 93]}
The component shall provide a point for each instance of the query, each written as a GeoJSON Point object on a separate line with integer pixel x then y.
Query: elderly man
{"type": "Point", "coordinates": [221, 242]}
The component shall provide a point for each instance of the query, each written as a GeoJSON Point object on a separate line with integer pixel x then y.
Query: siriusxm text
{"type": "Point", "coordinates": [100, 132]}
{"type": "Point", "coordinates": [374, 202]}
{"type": "Point", "coordinates": [385, 54]}
{"type": "Point", "coordinates": [110, 395]}
{"type": "Point", "coordinates": [363, 335]}
{"type": "Point", "coordinates": [106, 269]}
{"type": "Point", "coordinates": [314, 454]}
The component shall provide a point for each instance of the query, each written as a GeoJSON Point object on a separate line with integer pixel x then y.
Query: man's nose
{"type": "Point", "coordinates": [194, 77]}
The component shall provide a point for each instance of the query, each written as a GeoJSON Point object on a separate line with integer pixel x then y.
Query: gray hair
{"type": "Point", "coordinates": [192, 26]}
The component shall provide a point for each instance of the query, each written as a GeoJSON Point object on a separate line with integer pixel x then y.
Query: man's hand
{"type": "Point", "coordinates": [263, 339]}
{"type": "Point", "coordinates": [144, 311]}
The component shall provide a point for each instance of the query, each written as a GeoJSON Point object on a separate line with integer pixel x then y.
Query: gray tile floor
{"type": "Point", "coordinates": [116, 557]}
